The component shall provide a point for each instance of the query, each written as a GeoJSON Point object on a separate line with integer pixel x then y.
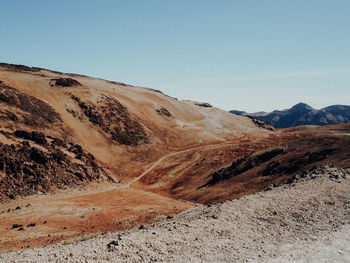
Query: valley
{"type": "Point", "coordinates": [82, 157]}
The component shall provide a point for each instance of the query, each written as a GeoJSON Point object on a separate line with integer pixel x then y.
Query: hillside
{"type": "Point", "coordinates": [61, 129]}
{"type": "Point", "coordinates": [81, 156]}
{"type": "Point", "coordinates": [215, 174]}
{"type": "Point", "coordinates": [302, 114]}
{"type": "Point", "coordinates": [79, 145]}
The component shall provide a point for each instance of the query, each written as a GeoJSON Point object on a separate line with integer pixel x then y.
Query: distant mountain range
{"type": "Point", "coordinates": [302, 114]}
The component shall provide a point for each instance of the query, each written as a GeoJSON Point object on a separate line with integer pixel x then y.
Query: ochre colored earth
{"type": "Point", "coordinates": [81, 156]}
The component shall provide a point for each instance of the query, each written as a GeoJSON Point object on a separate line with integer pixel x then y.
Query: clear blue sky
{"type": "Point", "coordinates": [248, 55]}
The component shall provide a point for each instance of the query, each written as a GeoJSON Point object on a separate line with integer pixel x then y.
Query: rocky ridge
{"type": "Point", "coordinates": [302, 114]}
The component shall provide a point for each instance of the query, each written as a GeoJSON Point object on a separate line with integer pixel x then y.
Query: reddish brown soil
{"type": "Point", "coordinates": [61, 138]}
{"type": "Point", "coordinates": [68, 215]}
{"type": "Point", "coordinates": [211, 174]}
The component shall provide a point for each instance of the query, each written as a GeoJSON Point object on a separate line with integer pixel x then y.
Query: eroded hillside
{"type": "Point", "coordinates": [60, 130]}
{"type": "Point", "coordinates": [80, 155]}
{"type": "Point", "coordinates": [220, 172]}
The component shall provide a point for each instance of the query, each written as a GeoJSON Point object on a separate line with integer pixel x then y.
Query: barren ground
{"type": "Point", "coordinates": [303, 222]}
{"type": "Point", "coordinates": [72, 213]}
{"type": "Point", "coordinates": [83, 157]}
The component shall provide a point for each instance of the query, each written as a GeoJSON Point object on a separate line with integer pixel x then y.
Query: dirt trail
{"type": "Point", "coordinates": [103, 208]}
{"type": "Point", "coordinates": [304, 222]}
{"type": "Point", "coordinates": [147, 171]}
{"type": "Point", "coordinates": [170, 155]}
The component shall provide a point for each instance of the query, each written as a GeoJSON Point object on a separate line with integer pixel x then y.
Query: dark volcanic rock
{"type": "Point", "coordinates": [292, 165]}
{"type": "Point", "coordinates": [262, 124]}
{"type": "Point", "coordinates": [28, 170]}
{"type": "Point", "coordinates": [19, 68]}
{"type": "Point", "coordinates": [34, 112]}
{"type": "Point", "coordinates": [38, 156]}
{"type": "Point", "coordinates": [8, 115]}
{"type": "Point", "coordinates": [279, 165]}
{"type": "Point", "coordinates": [243, 165]}
{"type": "Point", "coordinates": [163, 111]}
{"type": "Point", "coordinates": [119, 83]}
{"type": "Point", "coordinates": [204, 104]}
{"type": "Point", "coordinates": [111, 246]}
{"type": "Point", "coordinates": [34, 136]}
{"type": "Point", "coordinates": [114, 119]}
{"type": "Point", "coordinates": [66, 82]}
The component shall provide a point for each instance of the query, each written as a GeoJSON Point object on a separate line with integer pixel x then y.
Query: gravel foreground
{"type": "Point", "coordinates": [306, 221]}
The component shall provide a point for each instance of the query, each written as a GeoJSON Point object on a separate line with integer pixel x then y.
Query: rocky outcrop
{"type": "Point", "coordinates": [19, 68]}
{"type": "Point", "coordinates": [332, 171]}
{"type": "Point", "coordinates": [37, 137]}
{"type": "Point", "coordinates": [274, 164]}
{"type": "Point", "coordinates": [262, 124]}
{"type": "Point", "coordinates": [30, 111]}
{"type": "Point", "coordinates": [292, 165]}
{"type": "Point", "coordinates": [65, 82]}
{"type": "Point", "coordinates": [164, 112]}
{"type": "Point", "coordinates": [243, 165]}
{"type": "Point", "coordinates": [27, 168]}
{"type": "Point", "coordinates": [114, 119]}
{"type": "Point", "coordinates": [203, 104]}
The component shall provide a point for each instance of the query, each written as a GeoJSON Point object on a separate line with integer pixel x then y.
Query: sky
{"type": "Point", "coordinates": [252, 55]}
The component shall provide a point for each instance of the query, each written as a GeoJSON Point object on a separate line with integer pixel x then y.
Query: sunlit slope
{"type": "Point", "coordinates": [123, 127]}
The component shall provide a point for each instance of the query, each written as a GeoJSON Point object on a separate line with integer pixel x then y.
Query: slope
{"type": "Point", "coordinates": [54, 119]}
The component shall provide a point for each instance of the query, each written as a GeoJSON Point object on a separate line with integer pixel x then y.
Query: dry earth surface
{"type": "Point", "coordinates": [83, 157]}
{"type": "Point", "coordinates": [60, 132]}
{"type": "Point", "coordinates": [307, 221]}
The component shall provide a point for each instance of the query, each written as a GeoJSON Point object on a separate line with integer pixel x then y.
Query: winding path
{"type": "Point", "coordinates": [147, 171]}
{"type": "Point", "coordinates": [128, 185]}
